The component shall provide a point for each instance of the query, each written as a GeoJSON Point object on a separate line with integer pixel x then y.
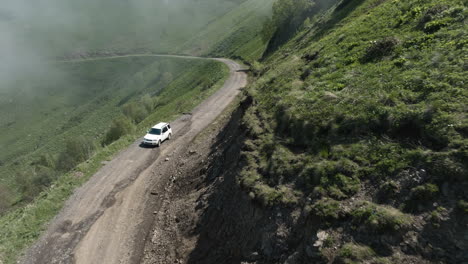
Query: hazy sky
{"type": "Point", "coordinates": [36, 31]}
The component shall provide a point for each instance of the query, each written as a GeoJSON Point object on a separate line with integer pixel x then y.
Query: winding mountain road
{"type": "Point", "coordinates": [106, 220]}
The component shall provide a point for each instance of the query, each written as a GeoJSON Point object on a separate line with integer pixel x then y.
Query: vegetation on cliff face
{"type": "Point", "coordinates": [360, 119]}
{"type": "Point", "coordinates": [288, 17]}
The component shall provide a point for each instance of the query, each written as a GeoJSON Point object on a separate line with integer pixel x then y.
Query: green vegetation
{"type": "Point", "coordinates": [360, 104]}
{"type": "Point", "coordinates": [236, 34]}
{"type": "Point", "coordinates": [327, 209]}
{"type": "Point", "coordinates": [462, 206]}
{"type": "Point", "coordinates": [380, 218]}
{"type": "Point", "coordinates": [77, 150]}
{"type": "Point", "coordinates": [121, 126]}
{"type": "Point", "coordinates": [353, 253]}
{"type": "Point", "coordinates": [424, 192]}
{"type": "Point", "coordinates": [437, 216]}
{"type": "Point", "coordinates": [363, 94]}
{"type": "Point", "coordinates": [421, 196]}
{"type": "Point", "coordinates": [288, 17]}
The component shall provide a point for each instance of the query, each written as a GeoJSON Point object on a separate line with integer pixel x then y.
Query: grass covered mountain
{"type": "Point", "coordinates": [65, 109]}
{"type": "Point", "coordinates": [237, 33]}
{"type": "Point", "coordinates": [357, 133]}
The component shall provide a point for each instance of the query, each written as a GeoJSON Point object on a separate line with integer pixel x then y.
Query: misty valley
{"type": "Point", "coordinates": [301, 131]}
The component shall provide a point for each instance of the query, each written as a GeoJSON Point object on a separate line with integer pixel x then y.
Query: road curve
{"type": "Point", "coordinates": [104, 221]}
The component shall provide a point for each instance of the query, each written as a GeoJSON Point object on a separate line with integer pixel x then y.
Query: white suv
{"type": "Point", "coordinates": [157, 134]}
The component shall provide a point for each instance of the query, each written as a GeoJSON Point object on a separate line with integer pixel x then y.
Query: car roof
{"type": "Point", "coordinates": [160, 125]}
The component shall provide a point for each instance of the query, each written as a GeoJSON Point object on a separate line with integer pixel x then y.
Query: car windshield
{"type": "Point", "coordinates": [155, 131]}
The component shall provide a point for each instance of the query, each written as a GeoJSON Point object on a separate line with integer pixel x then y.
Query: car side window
{"type": "Point", "coordinates": [164, 129]}
{"type": "Point", "coordinates": [169, 126]}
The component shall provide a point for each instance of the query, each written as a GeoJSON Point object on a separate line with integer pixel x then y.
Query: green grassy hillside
{"type": "Point", "coordinates": [107, 89]}
{"type": "Point", "coordinates": [70, 27]}
{"type": "Point", "coordinates": [360, 121]}
{"type": "Point", "coordinates": [235, 34]}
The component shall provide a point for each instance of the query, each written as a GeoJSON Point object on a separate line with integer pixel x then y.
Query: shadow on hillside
{"type": "Point", "coordinates": [447, 238]}
{"type": "Point", "coordinates": [343, 10]}
{"type": "Point", "coordinates": [221, 219]}
{"type": "Point", "coordinates": [232, 227]}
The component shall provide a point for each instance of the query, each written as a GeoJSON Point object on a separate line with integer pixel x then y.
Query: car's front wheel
{"type": "Point", "coordinates": [169, 137]}
{"type": "Point", "coordinates": [159, 143]}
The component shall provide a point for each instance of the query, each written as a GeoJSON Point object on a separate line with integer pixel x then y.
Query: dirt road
{"type": "Point", "coordinates": [106, 220]}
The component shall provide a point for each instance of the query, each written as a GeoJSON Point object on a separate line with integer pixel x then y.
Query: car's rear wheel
{"type": "Point", "coordinates": [169, 137]}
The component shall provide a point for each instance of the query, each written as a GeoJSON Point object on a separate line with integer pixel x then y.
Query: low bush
{"type": "Point", "coordinates": [34, 181]}
{"type": "Point", "coordinates": [420, 197]}
{"type": "Point", "coordinates": [135, 111]}
{"type": "Point", "coordinates": [257, 68]}
{"type": "Point", "coordinates": [77, 150]}
{"type": "Point", "coordinates": [206, 82]}
{"type": "Point", "coordinates": [252, 124]}
{"type": "Point", "coordinates": [338, 178]}
{"type": "Point", "coordinates": [120, 127]}
{"type": "Point", "coordinates": [431, 14]}
{"type": "Point", "coordinates": [354, 253]}
{"type": "Point", "coordinates": [327, 209]}
{"type": "Point", "coordinates": [462, 206]}
{"type": "Point", "coordinates": [426, 192]}
{"type": "Point", "coordinates": [282, 166]}
{"type": "Point", "coordinates": [436, 216]}
{"type": "Point", "coordinates": [5, 198]}
{"type": "Point", "coordinates": [45, 160]}
{"type": "Point", "coordinates": [65, 162]}
{"type": "Point", "coordinates": [148, 103]}
{"type": "Point", "coordinates": [390, 189]}
{"type": "Point", "coordinates": [379, 49]}
{"type": "Point", "coordinates": [380, 218]}
{"type": "Point", "coordinates": [446, 168]}
{"type": "Point", "coordinates": [266, 195]}
{"type": "Point", "coordinates": [435, 25]}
